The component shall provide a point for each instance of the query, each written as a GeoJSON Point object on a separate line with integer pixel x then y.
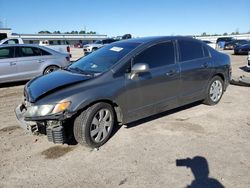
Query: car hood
{"type": "Point", "coordinates": [44, 85]}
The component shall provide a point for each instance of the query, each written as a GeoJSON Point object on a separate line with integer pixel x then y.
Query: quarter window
{"type": "Point", "coordinates": [157, 55]}
{"type": "Point", "coordinates": [6, 53]}
{"type": "Point", "coordinates": [206, 52]}
{"type": "Point", "coordinates": [190, 50]}
{"type": "Point", "coordinates": [43, 52]}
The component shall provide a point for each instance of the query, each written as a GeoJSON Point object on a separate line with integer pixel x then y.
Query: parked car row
{"type": "Point", "coordinates": [242, 49]}
{"type": "Point", "coordinates": [88, 48]}
{"type": "Point", "coordinates": [59, 48]}
{"type": "Point", "coordinates": [232, 44]}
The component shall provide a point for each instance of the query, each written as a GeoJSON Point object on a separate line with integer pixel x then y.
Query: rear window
{"type": "Point", "coordinates": [11, 41]}
{"type": "Point", "coordinates": [190, 50]}
{"type": "Point", "coordinates": [29, 51]}
{"type": "Point", "coordinates": [6, 52]}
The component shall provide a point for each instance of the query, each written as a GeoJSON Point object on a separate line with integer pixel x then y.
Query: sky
{"type": "Point", "coordinates": [118, 17]}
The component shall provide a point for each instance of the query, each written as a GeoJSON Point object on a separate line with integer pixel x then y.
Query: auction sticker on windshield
{"type": "Point", "coordinates": [116, 49]}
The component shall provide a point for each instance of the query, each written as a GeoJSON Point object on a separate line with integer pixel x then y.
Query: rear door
{"type": "Point", "coordinates": [8, 66]}
{"type": "Point", "coordinates": [195, 63]}
{"type": "Point", "coordinates": [156, 90]}
{"type": "Point", "coordinates": [29, 61]}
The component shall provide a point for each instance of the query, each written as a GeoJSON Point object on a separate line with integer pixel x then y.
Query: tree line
{"type": "Point", "coordinates": [72, 32]}
{"type": "Point", "coordinates": [224, 34]}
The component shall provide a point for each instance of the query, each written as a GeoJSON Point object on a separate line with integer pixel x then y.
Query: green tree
{"type": "Point", "coordinates": [82, 32]}
{"type": "Point", "coordinates": [91, 32]}
{"type": "Point", "coordinates": [204, 34]}
{"type": "Point", "coordinates": [44, 32]}
{"type": "Point", "coordinates": [225, 34]}
{"type": "Point", "coordinates": [57, 32]}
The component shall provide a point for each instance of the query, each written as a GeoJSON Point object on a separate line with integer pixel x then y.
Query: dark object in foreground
{"type": "Point", "coordinates": [121, 83]}
{"type": "Point", "coordinates": [200, 170]}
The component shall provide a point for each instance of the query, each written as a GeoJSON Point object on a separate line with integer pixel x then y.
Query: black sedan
{"type": "Point", "coordinates": [232, 44]}
{"type": "Point", "coordinates": [242, 50]}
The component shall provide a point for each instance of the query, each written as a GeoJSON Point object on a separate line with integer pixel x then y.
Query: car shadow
{"type": "Point", "coordinates": [156, 116]}
{"type": "Point", "coordinates": [200, 169]}
{"type": "Point", "coordinates": [12, 84]}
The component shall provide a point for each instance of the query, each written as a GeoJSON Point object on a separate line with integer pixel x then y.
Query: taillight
{"type": "Point", "coordinates": [68, 49]}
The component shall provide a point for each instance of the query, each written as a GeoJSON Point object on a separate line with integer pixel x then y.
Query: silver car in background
{"type": "Point", "coordinates": [24, 62]}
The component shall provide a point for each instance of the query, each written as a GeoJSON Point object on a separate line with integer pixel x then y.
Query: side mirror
{"type": "Point", "coordinates": [138, 68]}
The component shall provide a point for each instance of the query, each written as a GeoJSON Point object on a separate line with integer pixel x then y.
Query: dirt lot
{"type": "Point", "coordinates": [141, 154]}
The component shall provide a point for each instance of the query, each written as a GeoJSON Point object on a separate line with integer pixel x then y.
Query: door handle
{"type": "Point", "coordinates": [205, 65]}
{"type": "Point", "coordinates": [171, 73]}
{"type": "Point", "coordinates": [40, 61]}
{"type": "Point", "coordinates": [12, 63]}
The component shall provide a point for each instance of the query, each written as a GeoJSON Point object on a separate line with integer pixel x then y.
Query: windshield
{"type": "Point", "coordinates": [104, 58]}
{"type": "Point", "coordinates": [98, 42]}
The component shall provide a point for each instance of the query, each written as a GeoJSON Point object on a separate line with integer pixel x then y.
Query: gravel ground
{"type": "Point", "coordinates": [141, 154]}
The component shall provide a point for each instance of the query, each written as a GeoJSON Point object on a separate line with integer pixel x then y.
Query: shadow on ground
{"type": "Point", "coordinates": [12, 84]}
{"type": "Point", "coordinates": [200, 169]}
{"type": "Point", "coordinates": [169, 112]}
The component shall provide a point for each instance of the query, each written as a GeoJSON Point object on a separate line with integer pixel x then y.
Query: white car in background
{"type": "Point", "coordinates": [211, 44]}
{"type": "Point", "coordinates": [20, 62]}
{"type": "Point", "coordinates": [88, 48]}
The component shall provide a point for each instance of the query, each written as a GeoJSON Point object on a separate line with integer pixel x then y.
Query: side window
{"type": "Point", "coordinates": [29, 51]}
{"type": "Point", "coordinates": [43, 52]}
{"type": "Point", "coordinates": [7, 52]}
{"type": "Point", "coordinates": [157, 55]}
{"type": "Point", "coordinates": [190, 50]}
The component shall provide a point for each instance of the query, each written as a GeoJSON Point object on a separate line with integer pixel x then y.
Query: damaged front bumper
{"type": "Point", "coordinates": [52, 126]}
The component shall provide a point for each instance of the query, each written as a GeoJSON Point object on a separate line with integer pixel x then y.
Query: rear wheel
{"type": "Point", "coordinates": [93, 127]}
{"type": "Point", "coordinates": [215, 91]}
{"type": "Point", "coordinates": [50, 69]}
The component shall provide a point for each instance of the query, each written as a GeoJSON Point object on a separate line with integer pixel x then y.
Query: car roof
{"type": "Point", "coordinates": [155, 39]}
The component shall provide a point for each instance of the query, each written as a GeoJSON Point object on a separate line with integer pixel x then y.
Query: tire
{"type": "Point", "coordinates": [215, 91]}
{"type": "Point", "coordinates": [92, 120]}
{"type": "Point", "coordinates": [50, 69]}
{"type": "Point", "coordinates": [94, 49]}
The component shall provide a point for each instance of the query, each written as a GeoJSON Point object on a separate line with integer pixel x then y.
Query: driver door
{"type": "Point", "coordinates": [157, 90]}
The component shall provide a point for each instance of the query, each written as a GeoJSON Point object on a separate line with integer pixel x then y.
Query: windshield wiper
{"type": "Point", "coordinates": [78, 70]}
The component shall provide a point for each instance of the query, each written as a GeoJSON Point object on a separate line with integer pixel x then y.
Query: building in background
{"type": "Point", "coordinates": [52, 39]}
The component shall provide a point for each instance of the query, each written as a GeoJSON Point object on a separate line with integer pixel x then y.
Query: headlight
{"type": "Point", "coordinates": [49, 109]}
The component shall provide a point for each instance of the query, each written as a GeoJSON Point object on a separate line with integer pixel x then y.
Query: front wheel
{"type": "Point", "coordinates": [215, 91]}
{"type": "Point", "coordinates": [93, 127]}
